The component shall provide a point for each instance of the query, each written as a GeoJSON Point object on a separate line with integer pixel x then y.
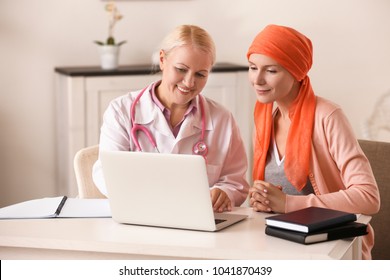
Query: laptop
{"type": "Point", "coordinates": [161, 190]}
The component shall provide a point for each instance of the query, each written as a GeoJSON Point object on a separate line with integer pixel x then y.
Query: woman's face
{"type": "Point", "coordinates": [271, 81]}
{"type": "Point", "coordinates": [184, 75]}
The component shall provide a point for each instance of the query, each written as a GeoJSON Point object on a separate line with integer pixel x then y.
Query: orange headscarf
{"type": "Point", "coordinates": [293, 51]}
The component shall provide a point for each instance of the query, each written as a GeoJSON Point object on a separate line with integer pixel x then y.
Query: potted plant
{"type": "Point", "coordinates": [109, 50]}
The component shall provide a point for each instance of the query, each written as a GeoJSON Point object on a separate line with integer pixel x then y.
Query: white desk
{"type": "Point", "coordinates": [106, 239]}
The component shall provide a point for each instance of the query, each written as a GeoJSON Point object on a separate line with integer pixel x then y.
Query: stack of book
{"type": "Point", "coordinates": [313, 225]}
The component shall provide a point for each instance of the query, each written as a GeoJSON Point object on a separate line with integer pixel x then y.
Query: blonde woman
{"type": "Point", "coordinates": [172, 116]}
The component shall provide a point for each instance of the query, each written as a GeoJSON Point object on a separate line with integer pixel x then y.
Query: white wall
{"type": "Point", "coordinates": [351, 41]}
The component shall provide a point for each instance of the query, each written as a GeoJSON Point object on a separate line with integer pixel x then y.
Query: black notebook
{"type": "Point", "coordinates": [310, 219]}
{"type": "Point", "coordinates": [339, 232]}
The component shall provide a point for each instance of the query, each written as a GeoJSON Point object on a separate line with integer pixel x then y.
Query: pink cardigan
{"type": "Point", "coordinates": [340, 173]}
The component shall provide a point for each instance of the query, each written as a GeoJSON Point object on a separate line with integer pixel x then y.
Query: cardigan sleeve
{"type": "Point", "coordinates": [340, 173]}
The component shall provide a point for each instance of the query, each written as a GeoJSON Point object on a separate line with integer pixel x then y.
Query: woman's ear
{"type": "Point", "coordinates": [162, 59]}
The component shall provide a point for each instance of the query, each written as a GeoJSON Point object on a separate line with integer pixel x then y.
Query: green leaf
{"type": "Point", "coordinates": [121, 43]}
{"type": "Point", "coordinates": [99, 43]}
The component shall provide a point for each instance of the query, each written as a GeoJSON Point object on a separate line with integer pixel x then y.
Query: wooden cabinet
{"type": "Point", "coordinates": [83, 94]}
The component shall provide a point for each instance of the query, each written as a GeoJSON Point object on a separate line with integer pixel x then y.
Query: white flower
{"type": "Point", "coordinates": [113, 17]}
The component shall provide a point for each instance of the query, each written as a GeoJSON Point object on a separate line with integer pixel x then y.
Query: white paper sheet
{"type": "Point", "coordinates": [47, 208]}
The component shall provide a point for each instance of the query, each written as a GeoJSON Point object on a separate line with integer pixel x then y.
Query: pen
{"type": "Point", "coordinates": [59, 208]}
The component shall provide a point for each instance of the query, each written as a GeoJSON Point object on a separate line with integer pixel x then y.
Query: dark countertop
{"type": "Point", "coordinates": [143, 69]}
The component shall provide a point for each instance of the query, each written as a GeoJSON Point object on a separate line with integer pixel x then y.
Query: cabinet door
{"type": "Point", "coordinates": [221, 87]}
{"type": "Point", "coordinates": [100, 91]}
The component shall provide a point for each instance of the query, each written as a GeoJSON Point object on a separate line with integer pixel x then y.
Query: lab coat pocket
{"type": "Point", "coordinates": [213, 173]}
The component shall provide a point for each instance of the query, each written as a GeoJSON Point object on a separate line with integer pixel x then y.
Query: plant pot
{"type": "Point", "coordinates": [109, 57]}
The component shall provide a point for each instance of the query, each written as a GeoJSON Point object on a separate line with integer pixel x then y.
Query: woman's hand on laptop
{"type": "Point", "coordinates": [220, 200]}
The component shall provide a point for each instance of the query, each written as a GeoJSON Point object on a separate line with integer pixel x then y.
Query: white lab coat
{"type": "Point", "coordinates": [226, 159]}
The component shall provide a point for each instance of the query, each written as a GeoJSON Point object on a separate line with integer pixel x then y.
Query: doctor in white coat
{"type": "Point", "coordinates": [171, 116]}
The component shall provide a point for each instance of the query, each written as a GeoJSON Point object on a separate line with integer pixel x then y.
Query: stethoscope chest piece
{"type": "Point", "coordinates": [200, 148]}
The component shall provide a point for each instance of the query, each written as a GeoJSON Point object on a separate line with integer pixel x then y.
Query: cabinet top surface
{"type": "Point", "coordinates": [141, 69]}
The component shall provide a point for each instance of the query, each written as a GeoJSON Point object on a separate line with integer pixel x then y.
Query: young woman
{"type": "Point", "coordinates": [172, 116]}
{"type": "Point", "coordinates": [305, 152]}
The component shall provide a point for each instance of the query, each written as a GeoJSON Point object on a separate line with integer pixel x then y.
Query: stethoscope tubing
{"type": "Point", "coordinates": [200, 147]}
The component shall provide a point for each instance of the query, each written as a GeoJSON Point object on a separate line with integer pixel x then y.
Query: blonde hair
{"type": "Point", "coordinates": [186, 35]}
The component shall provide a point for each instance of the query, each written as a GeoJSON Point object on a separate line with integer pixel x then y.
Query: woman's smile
{"type": "Point", "coordinates": [263, 91]}
{"type": "Point", "coordinates": [183, 90]}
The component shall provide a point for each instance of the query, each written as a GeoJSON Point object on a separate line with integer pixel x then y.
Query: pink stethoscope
{"type": "Point", "coordinates": [200, 147]}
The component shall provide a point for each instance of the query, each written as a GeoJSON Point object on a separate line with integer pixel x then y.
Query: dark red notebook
{"type": "Point", "coordinates": [310, 219]}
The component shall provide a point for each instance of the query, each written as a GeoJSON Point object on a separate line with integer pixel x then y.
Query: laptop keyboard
{"type": "Point", "coordinates": [217, 221]}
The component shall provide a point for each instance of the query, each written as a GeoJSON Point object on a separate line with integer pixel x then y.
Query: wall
{"type": "Point", "coordinates": [351, 60]}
